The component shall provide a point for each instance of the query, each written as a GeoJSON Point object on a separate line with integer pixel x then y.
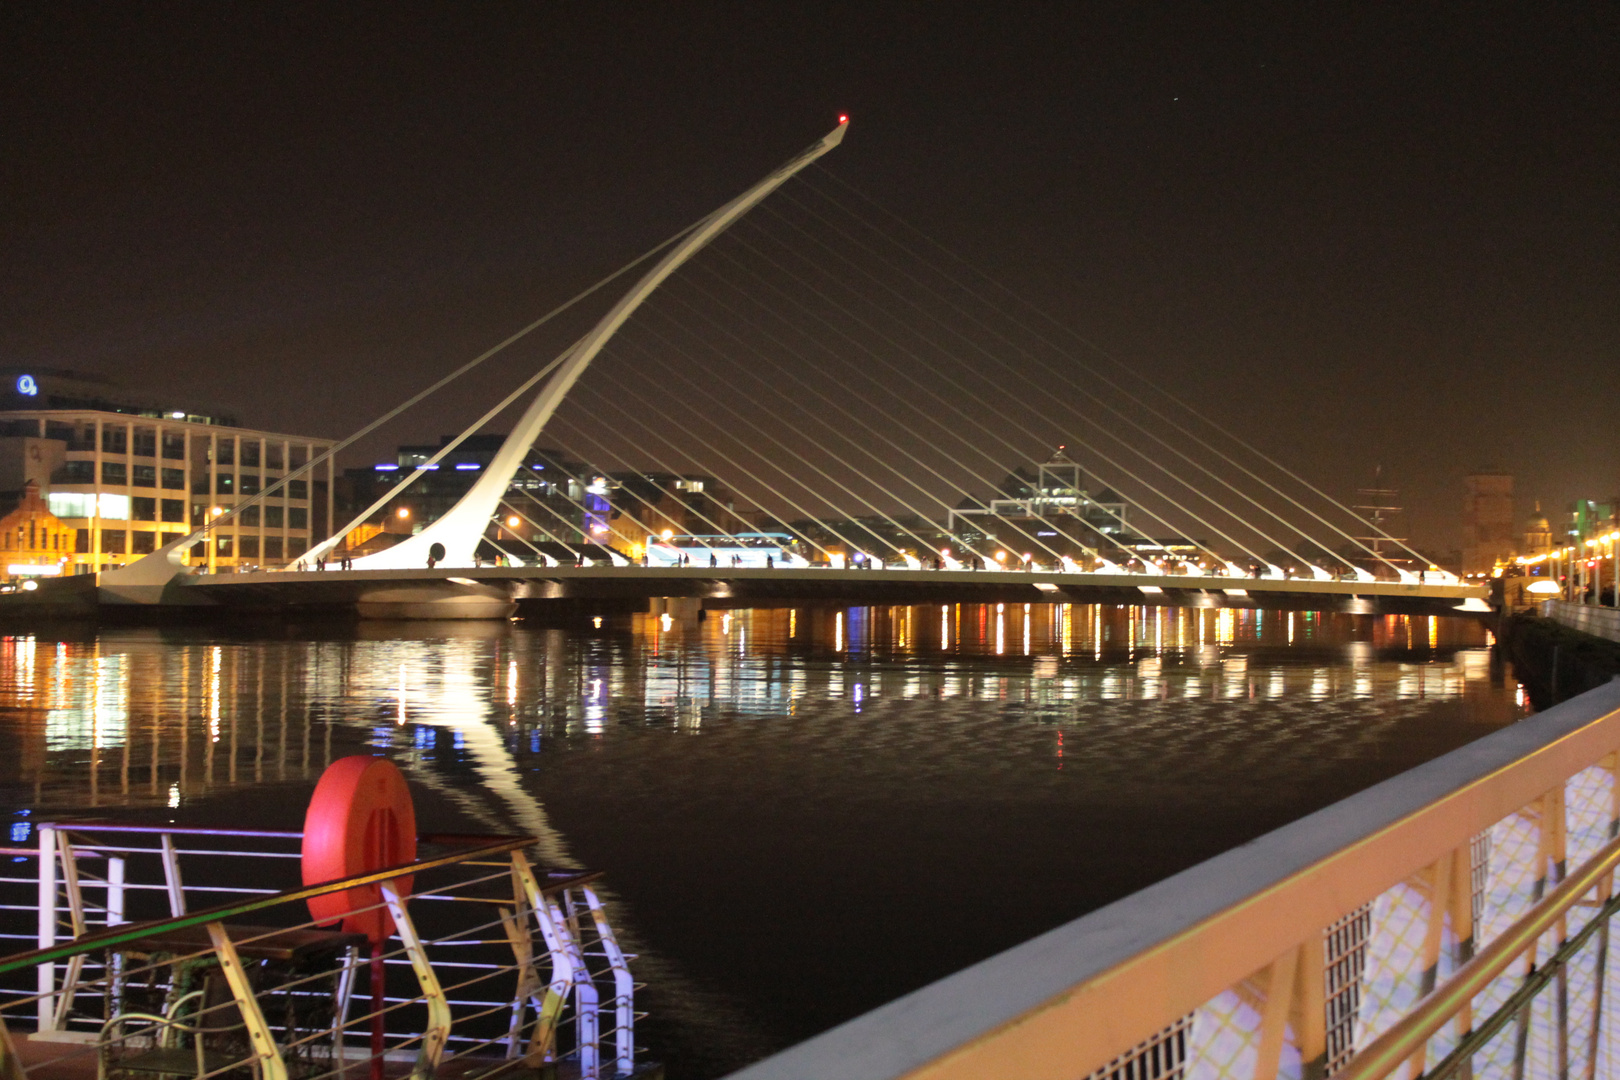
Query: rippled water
{"type": "Point", "coordinates": [803, 813]}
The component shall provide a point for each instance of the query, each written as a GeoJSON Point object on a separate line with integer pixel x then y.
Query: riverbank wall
{"type": "Point", "coordinates": [1556, 662]}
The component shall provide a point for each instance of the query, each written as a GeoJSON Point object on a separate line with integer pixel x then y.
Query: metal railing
{"type": "Point", "coordinates": [1453, 921]}
{"type": "Point", "coordinates": [492, 965]}
{"type": "Point", "coordinates": [1603, 622]}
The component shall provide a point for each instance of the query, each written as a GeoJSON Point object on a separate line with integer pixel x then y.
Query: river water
{"type": "Point", "coordinates": [802, 813]}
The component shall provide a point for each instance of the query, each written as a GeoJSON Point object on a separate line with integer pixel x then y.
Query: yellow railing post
{"type": "Point", "coordinates": [1310, 1021]}
{"type": "Point", "coordinates": [264, 1044]}
{"type": "Point", "coordinates": [1274, 1019]}
{"type": "Point", "coordinates": [437, 1033]}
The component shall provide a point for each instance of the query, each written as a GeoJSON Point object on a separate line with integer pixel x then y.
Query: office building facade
{"type": "Point", "coordinates": [128, 476]}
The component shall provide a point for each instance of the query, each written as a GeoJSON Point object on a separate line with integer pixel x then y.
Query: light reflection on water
{"type": "Point", "coordinates": [803, 812]}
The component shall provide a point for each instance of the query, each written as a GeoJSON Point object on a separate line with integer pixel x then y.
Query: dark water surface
{"type": "Point", "coordinates": [802, 813]}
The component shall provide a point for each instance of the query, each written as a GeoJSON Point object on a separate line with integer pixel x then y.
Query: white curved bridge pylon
{"type": "Point", "coordinates": [459, 531]}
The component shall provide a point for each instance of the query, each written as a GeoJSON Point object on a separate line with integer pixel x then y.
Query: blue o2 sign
{"type": "Point", "coordinates": [27, 387]}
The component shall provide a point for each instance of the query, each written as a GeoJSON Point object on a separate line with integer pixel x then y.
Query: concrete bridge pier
{"type": "Point", "coordinates": [450, 598]}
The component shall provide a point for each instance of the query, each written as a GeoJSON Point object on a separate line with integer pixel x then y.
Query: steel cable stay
{"type": "Point", "coordinates": [660, 462]}
{"type": "Point", "coordinates": [1024, 376]}
{"type": "Point", "coordinates": [571, 549]}
{"type": "Point", "coordinates": [579, 431]}
{"type": "Point", "coordinates": [821, 497]}
{"type": "Point", "coordinates": [778, 390]}
{"type": "Point", "coordinates": [162, 554]}
{"type": "Point", "coordinates": [320, 550]}
{"type": "Point", "coordinates": [704, 467]}
{"type": "Point", "coordinates": [556, 539]}
{"type": "Point", "coordinates": [456, 528]}
{"type": "Point", "coordinates": [925, 543]}
{"type": "Point", "coordinates": [972, 473]}
{"type": "Point", "coordinates": [576, 552]}
{"type": "Point", "coordinates": [878, 357]}
{"type": "Point", "coordinates": [1121, 365]}
{"type": "Point", "coordinates": [540, 555]}
{"type": "Point", "coordinates": [1114, 435]}
{"type": "Point", "coordinates": [873, 354]}
{"type": "Point", "coordinates": [912, 431]}
{"type": "Point", "coordinates": [584, 484]}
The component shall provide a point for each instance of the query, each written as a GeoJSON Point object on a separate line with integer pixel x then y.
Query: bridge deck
{"type": "Point", "coordinates": [774, 586]}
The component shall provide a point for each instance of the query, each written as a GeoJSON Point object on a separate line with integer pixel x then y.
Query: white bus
{"type": "Point", "coordinates": [735, 549]}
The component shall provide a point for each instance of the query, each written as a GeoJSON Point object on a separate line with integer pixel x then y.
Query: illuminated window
{"type": "Point", "coordinates": [70, 504]}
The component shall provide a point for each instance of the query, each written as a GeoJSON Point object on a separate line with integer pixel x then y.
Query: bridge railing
{"type": "Point", "coordinates": [1603, 622]}
{"type": "Point", "coordinates": [1453, 921]}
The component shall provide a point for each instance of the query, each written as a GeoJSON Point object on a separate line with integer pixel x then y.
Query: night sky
{"type": "Point", "coordinates": [1357, 234]}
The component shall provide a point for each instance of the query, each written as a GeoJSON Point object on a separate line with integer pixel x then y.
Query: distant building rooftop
{"type": "Point", "coordinates": [35, 388]}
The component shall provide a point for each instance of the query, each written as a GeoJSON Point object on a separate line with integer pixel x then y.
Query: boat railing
{"type": "Point", "coordinates": [494, 964]}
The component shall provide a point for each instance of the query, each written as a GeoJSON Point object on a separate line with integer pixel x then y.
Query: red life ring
{"type": "Point", "coordinates": [360, 819]}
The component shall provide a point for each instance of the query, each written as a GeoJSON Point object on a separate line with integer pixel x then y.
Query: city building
{"type": "Point", "coordinates": [544, 504]}
{"type": "Point", "coordinates": [1488, 522]}
{"type": "Point", "coordinates": [1538, 536]}
{"type": "Point", "coordinates": [1050, 505]}
{"type": "Point", "coordinates": [1589, 518]}
{"type": "Point", "coordinates": [127, 474]}
{"type": "Point", "coordinates": [33, 541]}
{"type": "Point", "coordinates": [555, 504]}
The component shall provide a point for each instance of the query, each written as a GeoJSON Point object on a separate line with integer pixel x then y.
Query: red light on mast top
{"type": "Point", "coordinates": [843, 118]}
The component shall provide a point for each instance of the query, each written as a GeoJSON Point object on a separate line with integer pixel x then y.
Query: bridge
{"type": "Point", "coordinates": [891, 406]}
{"type": "Point", "coordinates": [498, 592]}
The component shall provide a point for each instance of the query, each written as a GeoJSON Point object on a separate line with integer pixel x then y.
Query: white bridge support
{"type": "Point", "coordinates": [460, 530]}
